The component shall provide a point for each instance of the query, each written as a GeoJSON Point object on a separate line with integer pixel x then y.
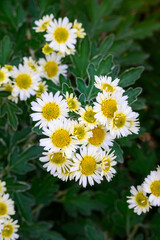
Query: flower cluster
{"type": "Point", "coordinates": [140, 201]}
{"type": "Point", "coordinates": [81, 149]}
{"type": "Point", "coordinates": [8, 227]}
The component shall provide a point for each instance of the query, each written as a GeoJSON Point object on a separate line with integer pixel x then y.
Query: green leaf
{"type": "Point", "coordinates": [16, 186]}
{"type": "Point", "coordinates": [133, 94]}
{"type": "Point", "coordinates": [6, 50]}
{"type": "Point", "coordinates": [93, 233]}
{"type": "Point", "coordinates": [118, 152]}
{"type": "Point", "coordinates": [4, 94]}
{"type": "Point", "coordinates": [129, 77]}
{"type": "Point", "coordinates": [37, 130]}
{"type": "Point", "coordinates": [139, 104]}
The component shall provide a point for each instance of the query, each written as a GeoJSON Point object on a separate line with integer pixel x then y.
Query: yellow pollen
{"type": "Point", "coordinates": [3, 209]}
{"type": "Point", "coordinates": [106, 164]}
{"type": "Point", "coordinates": [79, 132]}
{"type": "Point", "coordinates": [23, 81]}
{"type": "Point", "coordinates": [44, 25]}
{"type": "Point", "coordinates": [119, 120]}
{"type": "Point", "coordinates": [9, 67]}
{"type": "Point", "coordinates": [88, 165]}
{"type": "Point", "coordinates": [98, 136]}
{"type": "Point", "coordinates": [109, 107]}
{"type": "Point", "coordinates": [57, 158]}
{"type": "Point", "coordinates": [89, 116]}
{"type": "Point", "coordinates": [51, 68]}
{"type": "Point", "coordinates": [61, 138]}
{"type": "Point", "coordinates": [7, 231]}
{"type": "Point", "coordinates": [155, 188]}
{"type": "Point", "coordinates": [47, 49]}
{"type": "Point", "coordinates": [2, 76]}
{"type": "Point", "coordinates": [61, 34]}
{"type": "Point", "coordinates": [8, 88]}
{"type": "Point", "coordinates": [141, 199]}
{"type": "Point", "coordinates": [50, 111]}
{"type": "Point", "coordinates": [107, 87]}
{"type": "Point", "coordinates": [72, 104]}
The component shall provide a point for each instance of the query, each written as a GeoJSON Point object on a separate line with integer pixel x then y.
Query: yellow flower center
{"type": "Point", "coordinates": [44, 25]}
{"type": "Point", "coordinates": [51, 68]}
{"type": "Point", "coordinates": [23, 81]}
{"type": "Point", "coordinates": [119, 120]}
{"type": "Point", "coordinates": [9, 67]}
{"type": "Point", "coordinates": [106, 164]}
{"type": "Point", "coordinates": [8, 88]}
{"type": "Point", "coordinates": [61, 34]}
{"type": "Point", "coordinates": [41, 89]}
{"type": "Point", "coordinates": [61, 138]}
{"type": "Point", "coordinates": [88, 165]}
{"type": "Point", "coordinates": [3, 209]}
{"type": "Point", "coordinates": [47, 49]}
{"type": "Point", "coordinates": [72, 104]}
{"type": "Point", "coordinates": [107, 87]}
{"type": "Point", "coordinates": [109, 107]}
{"type": "Point", "coordinates": [50, 111]}
{"type": "Point", "coordinates": [155, 188]}
{"type": "Point", "coordinates": [98, 136]}
{"type": "Point", "coordinates": [57, 158]}
{"type": "Point", "coordinates": [79, 132]}
{"type": "Point", "coordinates": [141, 199]}
{"type": "Point", "coordinates": [89, 116]}
{"type": "Point", "coordinates": [31, 65]}
{"type": "Point", "coordinates": [2, 76]}
{"type": "Point", "coordinates": [7, 231]}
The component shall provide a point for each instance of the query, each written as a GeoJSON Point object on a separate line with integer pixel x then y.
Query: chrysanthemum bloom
{"type": "Point", "coordinates": [80, 31]}
{"type": "Point", "coordinates": [87, 117]}
{"type": "Point", "coordinates": [100, 138]}
{"type": "Point", "coordinates": [105, 83]}
{"type": "Point", "coordinates": [30, 63]}
{"type": "Point", "coordinates": [2, 187]}
{"type": "Point", "coordinates": [152, 185]}
{"type": "Point", "coordinates": [8, 229]}
{"type": "Point", "coordinates": [9, 88]}
{"type": "Point", "coordinates": [6, 206]}
{"type": "Point", "coordinates": [73, 103]}
{"type": "Point", "coordinates": [51, 67]}
{"type": "Point", "coordinates": [43, 23]}
{"type": "Point", "coordinates": [107, 105]}
{"type": "Point", "coordinates": [4, 76]}
{"type": "Point", "coordinates": [134, 124]}
{"type": "Point", "coordinates": [107, 163]}
{"type": "Point", "coordinates": [9, 67]}
{"type": "Point", "coordinates": [26, 82]}
{"type": "Point", "coordinates": [86, 166]}
{"type": "Point", "coordinates": [138, 200]}
{"type": "Point", "coordinates": [65, 174]}
{"type": "Point", "coordinates": [47, 49]}
{"type": "Point", "coordinates": [61, 35]}
{"type": "Point", "coordinates": [81, 132]}
{"type": "Point", "coordinates": [60, 137]}
{"type": "Point", "coordinates": [42, 88]}
{"type": "Point", "coordinates": [48, 108]}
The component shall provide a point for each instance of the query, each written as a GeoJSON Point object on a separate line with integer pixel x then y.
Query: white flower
{"type": "Point", "coordinates": [87, 117]}
{"type": "Point", "coordinates": [48, 108]}
{"type": "Point", "coordinates": [100, 138]}
{"type": "Point", "coordinates": [105, 83]}
{"type": "Point", "coordinates": [61, 35]}
{"type": "Point", "coordinates": [138, 200]}
{"type": "Point", "coordinates": [47, 49]}
{"type": "Point", "coordinates": [107, 105]}
{"type": "Point", "coordinates": [81, 132]}
{"type": "Point", "coordinates": [26, 82]}
{"type": "Point", "coordinates": [9, 68]}
{"type": "Point", "coordinates": [2, 187]}
{"type": "Point", "coordinates": [9, 88]}
{"type": "Point", "coordinates": [8, 229]}
{"type": "Point", "coordinates": [43, 23]}
{"type": "Point", "coordinates": [86, 167]}
{"type": "Point", "coordinates": [30, 63]}
{"type": "Point", "coordinates": [51, 67]}
{"type": "Point", "coordinates": [6, 206]}
{"type": "Point", "coordinates": [107, 163]}
{"type": "Point", "coordinates": [42, 88]}
{"type": "Point", "coordinates": [152, 185]}
{"type": "Point", "coordinates": [73, 103]}
{"type": "Point", "coordinates": [60, 137]}
{"type": "Point", "coordinates": [80, 31]}
{"type": "Point", "coordinates": [4, 76]}
{"type": "Point", "coordinates": [134, 123]}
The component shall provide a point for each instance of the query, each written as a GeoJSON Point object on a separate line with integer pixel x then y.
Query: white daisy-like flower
{"type": "Point", "coordinates": [4, 76]}
{"type": "Point", "coordinates": [107, 163]}
{"type": "Point", "coordinates": [9, 88]}
{"type": "Point", "coordinates": [81, 132]}
{"type": "Point", "coordinates": [100, 138]}
{"type": "Point", "coordinates": [107, 105]}
{"type": "Point", "coordinates": [26, 82]}
{"type": "Point", "coordinates": [120, 123]}
{"type": "Point", "coordinates": [8, 229]}
{"type": "Point", "coordinates": [80, 31]}
{"type": "Point", "coordinates": [61, 35]}
{"type": "Point", "coordinates": [151, 185]}
{"type": "Point", "coordinates": [6, 206]}
{"type": "Point", "coordinates": [48, 108]}
{"type": "Point", "coordinates": [9, 67]}
{"type": "Point", "coordinates": [51, 67]}
{"type": "Point", "coordinates": [105, 83]}
{"type": "Point", "coordinates": [86, 166]}
{"type": "Point", "coordinates": [73, 103]}
{"type": "Point", "coordinates": [134, 124]}
{"type": "Point", "coordinates": [31, 63]}
{"type": "Point", "coordinates": [87, 117]}
{"type": "Point", "coordinates": [47, 49]}
{"type": "Point", "coordinates": [42, 88]}
{"type": "Point", "coordinates": [2, 187]}
{"type": "Point", "coordinates": [60, 137]}
{"type": "Point", "coordinates": [138, 200]}
{"type": "Point", "coordinates": [43, 23]}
